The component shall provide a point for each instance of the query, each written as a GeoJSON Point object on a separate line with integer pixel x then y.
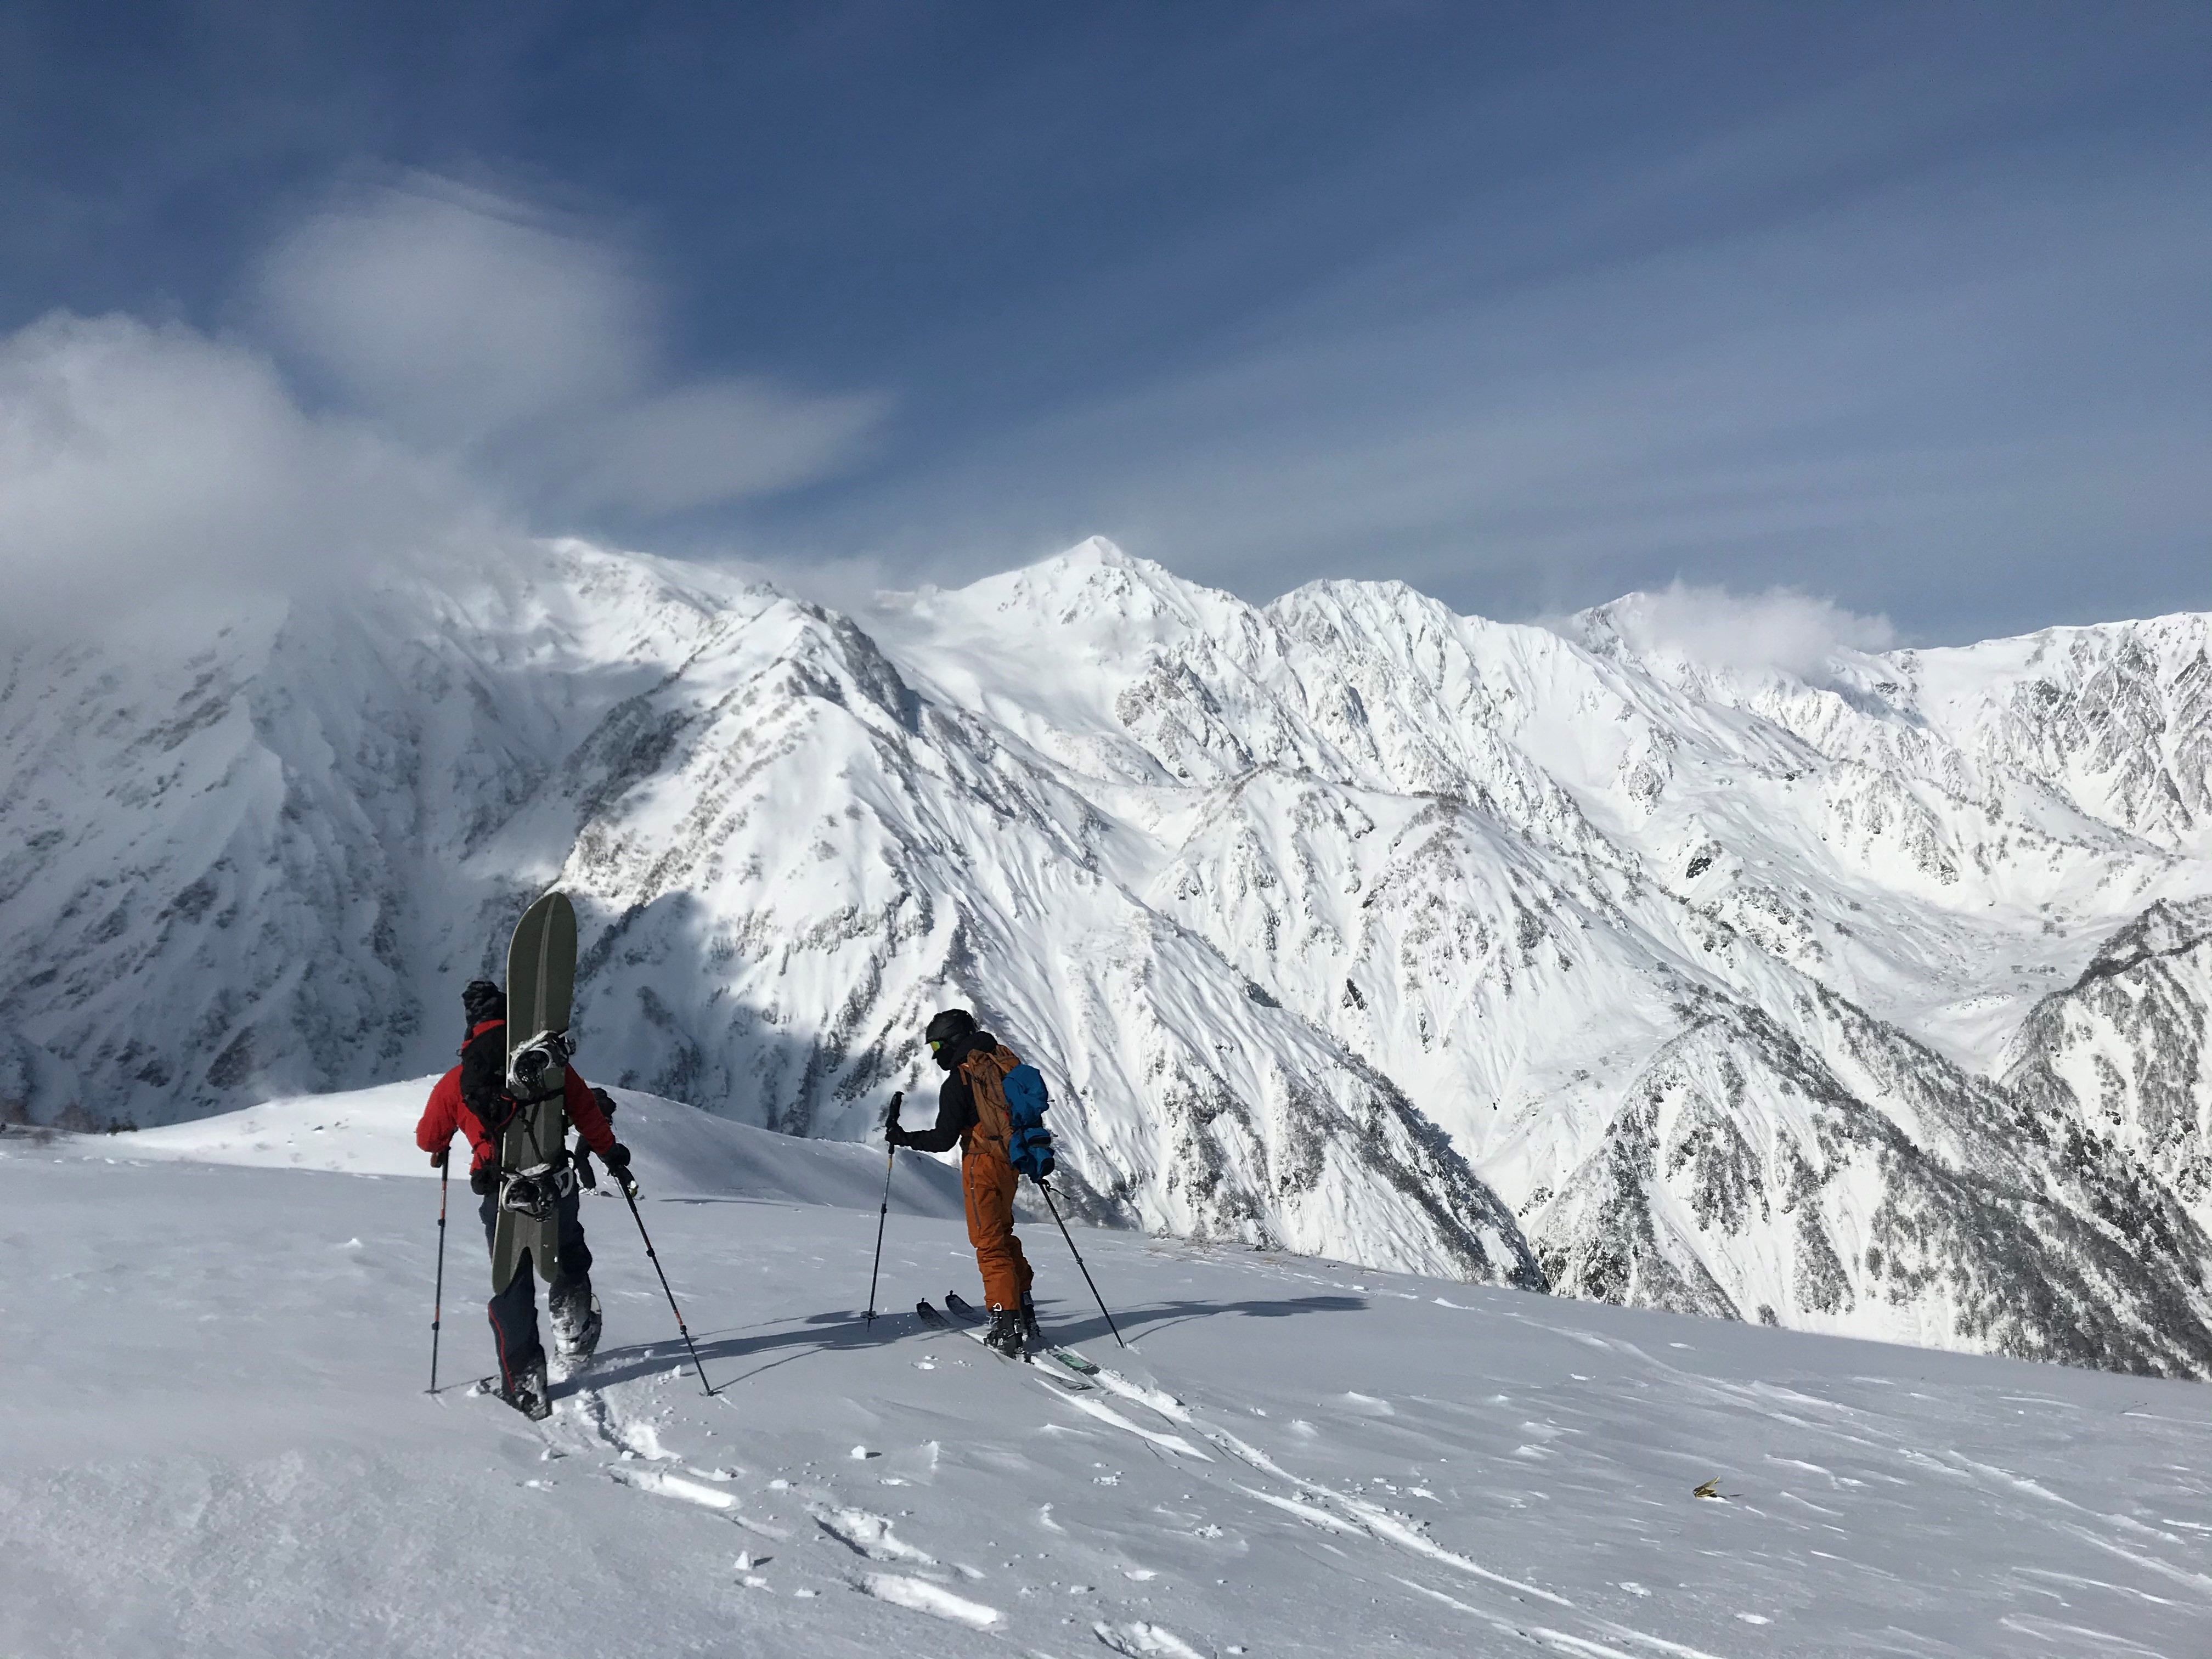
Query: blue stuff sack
{"type": "Point", "coordinates": [1029, 1143]}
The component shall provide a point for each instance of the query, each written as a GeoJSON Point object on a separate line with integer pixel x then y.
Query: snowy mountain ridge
{"type": "Point", "coordinates": [1344, 925]}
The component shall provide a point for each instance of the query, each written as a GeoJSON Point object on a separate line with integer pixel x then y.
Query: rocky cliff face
{"type": "Point", "coordinates": [1344, 924]}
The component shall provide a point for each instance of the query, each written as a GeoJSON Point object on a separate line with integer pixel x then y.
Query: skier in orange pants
{"type": "Point", "coordinates": [971, 1111]}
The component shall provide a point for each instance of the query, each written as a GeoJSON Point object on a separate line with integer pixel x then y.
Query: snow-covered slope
{"type": "Point", "coordinates": [678, 1150]}
{"type": "Point", "coordinates": [1344, 925]}
{"type": "Point", "coordinates": [219, 1444]}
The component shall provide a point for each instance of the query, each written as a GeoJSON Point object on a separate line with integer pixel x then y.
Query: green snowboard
{"type": "Point", "coordinates": [541, 979]}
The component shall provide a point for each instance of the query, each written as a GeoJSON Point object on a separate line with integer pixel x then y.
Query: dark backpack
{"type": "Point", "coordinates": [483, 1082]}
{"type": "Point", "coordinates": [1029, 1143]}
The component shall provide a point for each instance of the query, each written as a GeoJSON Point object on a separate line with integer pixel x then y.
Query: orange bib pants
{"type": "Point", "coordinates": [988, 1182]}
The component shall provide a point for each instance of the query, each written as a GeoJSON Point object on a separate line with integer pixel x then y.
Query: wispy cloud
{"type": "Point", "coordinates": [428, 367]}
{"type": "Point", "coordinates": [1873, 343]}
{"type": "Point", "coordinates": [1778, 631]}
{"type": "Point", "coordinates": [471, 324]}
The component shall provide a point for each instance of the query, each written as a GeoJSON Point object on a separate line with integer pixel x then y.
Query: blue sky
{"type": "Point", "coordinates": [1909, 306]}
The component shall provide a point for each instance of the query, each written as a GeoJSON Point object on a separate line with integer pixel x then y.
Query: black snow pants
{"type": "Point", "coordinates": [515, 1309]}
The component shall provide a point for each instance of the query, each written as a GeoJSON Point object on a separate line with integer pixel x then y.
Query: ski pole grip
{"type": "Point", "coordinates": [892, 1112]}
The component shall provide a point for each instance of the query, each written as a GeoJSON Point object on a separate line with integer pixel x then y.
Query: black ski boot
{"type": "Point", "coordinates": [1005, 1335]}
{"type": "Point", "coordinates": [1032, 1333]}
{"type": "Point", "coordinates": [531, 1393]}
{"type": "Point", "coordinates": [576, 1327]}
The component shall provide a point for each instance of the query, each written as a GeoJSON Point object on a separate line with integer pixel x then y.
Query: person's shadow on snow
{"type": "Point", "coordinates": [830, 1332]}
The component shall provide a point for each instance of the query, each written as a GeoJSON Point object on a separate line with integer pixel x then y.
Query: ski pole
{"type": "Point", "coordinates": [629, 1196]}
{"type": "Point", "coordinates": [1077, 1255]}
{"type": "Point", "coordinates": [438, 1297]}
{"type": "Point", "coordinates": [890, 1157]}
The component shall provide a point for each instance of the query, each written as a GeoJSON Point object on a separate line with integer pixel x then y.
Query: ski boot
{"type": "Point", "coordinates": [1032, 1333]}
{"type": "Point", "coordinates": [576, 1327]}
{"type": "Point", "coordinates": [1005, 1335]}
{"type": "Point", "coordinates": [530, 1393]}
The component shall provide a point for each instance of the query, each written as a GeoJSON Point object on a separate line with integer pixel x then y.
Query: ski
{"type": "Point", "coordinates": [1064, 1356]}
{"type": "Point", "coordinates": [936, 1320]}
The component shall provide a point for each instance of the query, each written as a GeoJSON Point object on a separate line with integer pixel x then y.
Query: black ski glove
{"type": "Point", "coordinates": [438, 1159]}
{"type": "Point", "coordinates": [894, 1135]}
{"type": "Point", "coordinates": [617, 1158]}
{"type": "Point", "coordinates": [480, 1180]}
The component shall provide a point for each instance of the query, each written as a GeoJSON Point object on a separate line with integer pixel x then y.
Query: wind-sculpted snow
{"type": "Point", "coordinates": [1343, 925]}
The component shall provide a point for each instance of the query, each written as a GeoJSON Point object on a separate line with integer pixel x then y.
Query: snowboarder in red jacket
{"type": "Point", "coordinates": [568, 1299]}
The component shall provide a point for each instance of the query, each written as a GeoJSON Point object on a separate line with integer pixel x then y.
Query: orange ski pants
{"type": "Point", "coordinates": [987, 1183]}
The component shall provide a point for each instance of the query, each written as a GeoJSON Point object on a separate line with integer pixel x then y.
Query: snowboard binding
{"type": "Point", "coordinates": [538, 1069]}
{"type": "Point", "coordinates": [536, 1191]}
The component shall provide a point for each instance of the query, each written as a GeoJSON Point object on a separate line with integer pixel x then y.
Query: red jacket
{"type": "Point", "coordinates": [444, 1114]}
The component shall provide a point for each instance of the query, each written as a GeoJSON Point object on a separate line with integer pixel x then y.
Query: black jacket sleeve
{"type": "Point", "coordinates": [955, 1110]}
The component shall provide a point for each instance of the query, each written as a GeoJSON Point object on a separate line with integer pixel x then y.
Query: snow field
{"type": "Point", "coordinates": [219, 1443]}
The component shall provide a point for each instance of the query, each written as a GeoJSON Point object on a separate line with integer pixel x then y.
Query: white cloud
{"type": "Point", "coordinates": [1781, 630]}
{"type": "Point", "coordinates": [709, 442]}
{"type": "Point", "coordinates": [454, 314]}
{"type": "Point", "coordinates": [476, 367]}
{"type": "Point", "coordinates": [468, 324]}
{"type": "Point", "coordinates": [143, 466]}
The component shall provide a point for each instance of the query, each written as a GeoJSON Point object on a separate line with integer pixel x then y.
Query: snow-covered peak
{"type": "Point", "coordinates": [1095, 605]}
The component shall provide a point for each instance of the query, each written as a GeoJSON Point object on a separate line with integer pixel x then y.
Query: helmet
{"type": "Point", "coordinates": [484, 1000]}
{"type": "Point", "coordinates": [949, 1027]}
